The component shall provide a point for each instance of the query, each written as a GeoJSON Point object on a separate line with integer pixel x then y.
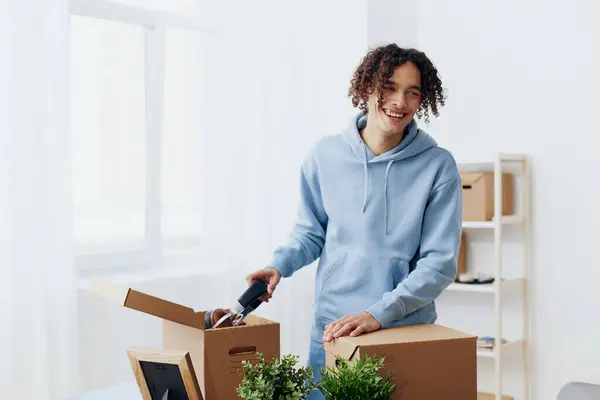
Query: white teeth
{"type": "Point", "coordinates": [394, 115]}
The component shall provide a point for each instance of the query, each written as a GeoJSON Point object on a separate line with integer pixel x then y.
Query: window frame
{"type": "Point", "coordinates": [155, 24]}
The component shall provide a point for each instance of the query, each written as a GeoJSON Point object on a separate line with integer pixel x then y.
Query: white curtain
{"type": "Point", "coordinates": [275, 83]}
{"type": "Point", "coordinates": [278, 81]}
{"type": "Point", "coordinates": [37, 281]}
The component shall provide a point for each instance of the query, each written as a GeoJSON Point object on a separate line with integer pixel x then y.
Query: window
{"type": "Point", "coordinates": [108, 134]}
{"type": "Point", "coordinates": [180, 182]}
{"type": "Point", "coordinates": [136, 91]}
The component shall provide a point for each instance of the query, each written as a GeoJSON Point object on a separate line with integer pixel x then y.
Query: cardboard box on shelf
{"type": "Point", "coordinates": [427, 361]}
{"type": "Point", "coordinates": [461, 266]}
{"type": "Point", "coordinates": [216, 354]}
{"type": "Point", "coordinates": [478, 195]}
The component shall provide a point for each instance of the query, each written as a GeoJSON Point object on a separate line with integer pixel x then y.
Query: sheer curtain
{"type": "Point", "coordinates": [274, 82]}
{"type": "Point", "coordinates": [278, 81]}
{"type": "Point", "coordinates": [37, 285]}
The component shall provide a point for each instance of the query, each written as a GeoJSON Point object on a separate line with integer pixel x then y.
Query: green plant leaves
{"type": "Point", "coordinates": [281, 380]}
{"type": "Point", "coordinates": [357, 381]}
{"type": "Point", "coordinates": [278, 380]}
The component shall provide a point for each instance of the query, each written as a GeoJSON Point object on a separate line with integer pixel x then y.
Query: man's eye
{"type": "Point", "coordinates": [414, 93]}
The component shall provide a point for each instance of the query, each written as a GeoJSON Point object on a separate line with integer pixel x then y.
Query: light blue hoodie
{"type": "Point", "coordinates": [386, 228]}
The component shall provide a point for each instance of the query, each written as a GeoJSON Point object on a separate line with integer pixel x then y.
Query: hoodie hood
{"type": "Point", "coordinates": [415, 142]}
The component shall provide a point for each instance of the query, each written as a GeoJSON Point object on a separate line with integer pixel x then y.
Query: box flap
{"type": "Point", "coordinates": [469, 178]}
{"type": "Point", "coordinates": [404, 334]}
{"type": "Point", "coordinates": [342, 346]}
{"type": "Point", "coordinates": [145, 303]}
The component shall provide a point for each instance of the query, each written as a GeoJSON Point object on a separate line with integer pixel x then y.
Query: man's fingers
{"type": "Point", "coordinates": [354, 325]}
{"type": "Point", "coordinates": [359, 329]}
{"type": "Point", "coordinates": [345, 329]}
{"type": "Point", "coordinates": [267, 296]}
{"type": "Point", "coordinates": [256, 276]}
{"type": "Point", "coordinates": [341, 325]}
{"type": "Point", "coordinates": [330, 329]}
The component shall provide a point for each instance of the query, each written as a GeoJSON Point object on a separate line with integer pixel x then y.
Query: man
{"type": "Point", "coordinates": [381, 207]}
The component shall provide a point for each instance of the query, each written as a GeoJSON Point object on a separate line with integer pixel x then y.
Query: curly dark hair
{"type": "Point", "coordinates": [377, 67]}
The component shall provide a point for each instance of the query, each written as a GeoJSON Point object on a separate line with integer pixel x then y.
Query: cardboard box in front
{"type": "Point", "coordinates": [216, 354]}
{"type": "Point", "coordinates": [478, 195]}
{"type": "Point", "coordinates": [426, 361]}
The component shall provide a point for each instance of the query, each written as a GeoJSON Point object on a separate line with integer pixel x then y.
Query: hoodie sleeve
{"type": "Point", "coordinates": [305, 242]}
{"type": "Point", "coordinates": [436, 267]}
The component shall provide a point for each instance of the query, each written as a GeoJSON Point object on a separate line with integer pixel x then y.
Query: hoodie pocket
{"type": "Point", "coordinates": [361, 279]}
{"type": "Point", "coordinates": [330, 271]}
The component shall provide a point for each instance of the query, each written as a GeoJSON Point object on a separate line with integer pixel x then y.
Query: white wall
{"type": "Point", "coordinates": [392, 21]}
{"type": "Point", "coordinates": [523, 77]}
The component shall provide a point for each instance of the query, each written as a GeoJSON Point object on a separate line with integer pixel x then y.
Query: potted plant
{"type": "Point", "coordinates": [359, 380]}
{"type": "Point", "coordinates": [278, 379]}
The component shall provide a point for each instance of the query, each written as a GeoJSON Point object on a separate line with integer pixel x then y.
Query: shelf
{"type": "Point", "coordinates": [479, 288]}
{"type": "Point", "coordinates": [493, 164]}
{"type": "Point", "coordinates": [491, 396]}
{"type": "Point", "coordinates": [510, 163]}
{"type": "Point", "coordinates": [476, 288]}
{"type": "Point", "coordinates": [491, 353]}
{"type": "Point", "coordinates": [507, 220]}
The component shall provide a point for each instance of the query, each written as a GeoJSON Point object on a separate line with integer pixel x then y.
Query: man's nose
{"type": "Point", "coordinates": [399, 100]}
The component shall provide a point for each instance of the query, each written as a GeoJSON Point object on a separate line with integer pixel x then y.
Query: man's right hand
{"type": "Point", "coordinates": [268, 275]}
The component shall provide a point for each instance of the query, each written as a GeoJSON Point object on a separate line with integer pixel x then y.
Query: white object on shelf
{"type": "Point", "coordinates": [516, 164]}
{"type": "Point", "coordinates": [491, 353]}
{"type": "Point", "coordinates": [481, 287]}
{"type": "Point", "coordinates": [506, 220]}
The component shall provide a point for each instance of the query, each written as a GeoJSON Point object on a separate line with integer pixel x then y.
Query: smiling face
{"type": "Point", "coordinates": [401, 99]}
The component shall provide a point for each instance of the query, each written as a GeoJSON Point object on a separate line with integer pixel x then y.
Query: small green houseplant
{"type": "Point", "coordinates": [359, 380]}
{"type": "Point", "coordinates": [278, 379]}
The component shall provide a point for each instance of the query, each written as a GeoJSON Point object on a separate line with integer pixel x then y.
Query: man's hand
{"type": "Point", "coordinates": [352, 325]}
{"type": "Point", "coordinates": [269, 275]}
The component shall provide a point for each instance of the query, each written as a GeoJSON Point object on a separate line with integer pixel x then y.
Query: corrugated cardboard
{"type": "Point", "coordinates": [426, 361]}
{"type": "Point", "coordinates": [216, 354]}
{"type": "Point", "coordinates": [478, 195]}
{"type": "Point", "coordinates": [461, 266]}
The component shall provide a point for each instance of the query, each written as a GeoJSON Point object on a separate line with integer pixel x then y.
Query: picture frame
{"type": "Point", "coordinates": [164, 374]}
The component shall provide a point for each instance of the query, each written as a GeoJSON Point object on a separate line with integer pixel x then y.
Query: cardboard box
{"type": "Point", "coordinates": [461, 266]}
{"type": "Point", "coordinates": [216, 354]}
{"type": "Point", "coordinates": [478, 195]}
{"type": "Point", "coordinates": [426, 361]}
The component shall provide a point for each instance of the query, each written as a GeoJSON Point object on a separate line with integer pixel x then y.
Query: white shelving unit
{"type": "Point", "coordinates": [518, 165]}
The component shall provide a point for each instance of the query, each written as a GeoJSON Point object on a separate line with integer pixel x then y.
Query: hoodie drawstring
{"type": "Point", "coordinates": [385, 185]}
{"type": "Point", "coordinates": [385, 203]}
{"type": "Point", "coordinates": [366, 178]}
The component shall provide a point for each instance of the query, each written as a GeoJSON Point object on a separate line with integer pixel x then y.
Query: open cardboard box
{"type": "Point", "coordinates": [426, 361]}
{"type": "Point", "coordinates": [216, 354]}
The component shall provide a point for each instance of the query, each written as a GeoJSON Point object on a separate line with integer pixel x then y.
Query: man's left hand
{"type": "Point", "coordinates": [352, 325]}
